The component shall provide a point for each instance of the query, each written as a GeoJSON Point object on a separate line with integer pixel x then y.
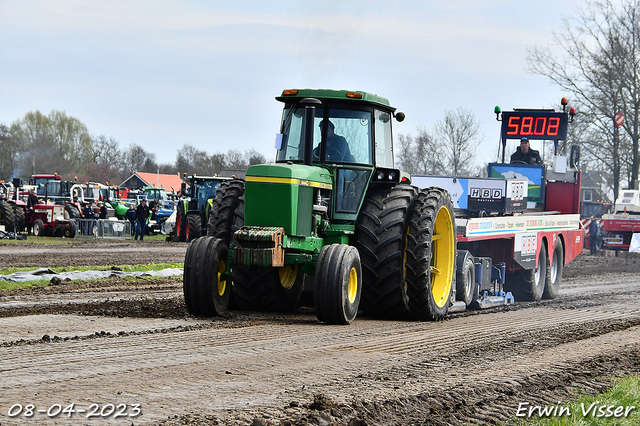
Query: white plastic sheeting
{"type": "Point", "coordinates": [47, 274]}
{"type": "Point", "coordinates": [634, 247]}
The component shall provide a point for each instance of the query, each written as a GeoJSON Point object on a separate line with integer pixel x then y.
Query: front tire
{"type": "Point", "coordinates": [38, 228]}
{"type": "Point", "coordinates": [206, 293]}
{"type": "Point", "coordinates": [338, 284]}
{"type": "Point", "coordinates": [431, 255]}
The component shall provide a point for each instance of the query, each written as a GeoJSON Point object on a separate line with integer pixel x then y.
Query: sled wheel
{"type": "Point", "coordinates": [465, 278]}
{"type": "Point", "coordinates": [206, 293]}
{"type": "Point", "coordinates": [338, 284]}
{"type": "Point", "coordinates": [529, 284]}
{"type": "Point", "coordinates": [554, 276]}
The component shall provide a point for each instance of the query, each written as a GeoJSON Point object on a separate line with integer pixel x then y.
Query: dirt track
{"type": "Point", "coordinates": [132, 342]}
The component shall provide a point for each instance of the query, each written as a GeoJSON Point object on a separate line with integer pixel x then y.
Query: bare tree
{"type": "Point", "coordinates": [458, 135]}
{"type": "Point", "coordinates": [600, 67]}
{"type": "Point", "coordinates": [9, 154]}
{"type": "Point", "coordinates": [254, 157]}
{"type": "Point", "coordinates": [235, 160]}
{"type": "Point", "coordinates": [187, 158]}
{"type": "Point", "coordinates": [420, 155]}
{"type": "Point", "coordinates": [136, 159]}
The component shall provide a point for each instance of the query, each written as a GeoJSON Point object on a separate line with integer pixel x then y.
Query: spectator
{"type": "Point", "coordinates": [594, 235]}
{"type": "Point", "coordinates": [89, 211]}
{"type": "Point", "coordinates": [131, 217]}
{"type": "Point", "coordinates": [31, 203]}
{"type": "Point", "coordinates": [103, 211]}
{"type": "Point", "coordinates": [142, 215]}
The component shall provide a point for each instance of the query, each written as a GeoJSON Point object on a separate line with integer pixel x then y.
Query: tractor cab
{"type": "Point", "coordinates": [346, 133]}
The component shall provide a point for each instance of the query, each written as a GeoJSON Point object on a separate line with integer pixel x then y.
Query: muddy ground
{"type": "Point", "coordinates": [117, 341]}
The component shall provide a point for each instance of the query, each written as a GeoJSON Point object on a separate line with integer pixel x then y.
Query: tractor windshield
{"type": "Point", "coordinates": [292, 144]}
{"type": "Point", "coordinates": [206, 191]}
{"type": "Point", "coordinates": [339, 136]}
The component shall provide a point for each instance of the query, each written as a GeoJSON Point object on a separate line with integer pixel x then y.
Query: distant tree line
{"type": "Point", "coordinates": [40, 143]}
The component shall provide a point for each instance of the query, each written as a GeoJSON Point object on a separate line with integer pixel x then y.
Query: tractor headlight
{"type": "Point", "coordinates": [386, 175]}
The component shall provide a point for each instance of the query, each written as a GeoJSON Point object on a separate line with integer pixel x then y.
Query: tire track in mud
{"type": "Point", "coordinates": [267, 364]}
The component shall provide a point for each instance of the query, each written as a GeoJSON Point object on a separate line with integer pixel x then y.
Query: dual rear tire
{"type": "Point", "coordinates": [407, 243]}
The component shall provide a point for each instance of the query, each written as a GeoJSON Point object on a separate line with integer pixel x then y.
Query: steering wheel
{"type": "Point", "coordinates": [333, 154]}
{"type": "Point", "coordinates": [519, 162]}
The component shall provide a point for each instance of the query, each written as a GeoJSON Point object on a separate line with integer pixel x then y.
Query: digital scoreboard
{"type": "Point", "coordinates": [546, 125]}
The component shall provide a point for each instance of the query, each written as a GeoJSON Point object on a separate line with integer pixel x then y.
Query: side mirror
{"type": "Point", "coordinates": [400, 117]}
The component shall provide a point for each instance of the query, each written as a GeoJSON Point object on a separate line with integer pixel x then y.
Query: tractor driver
{"type": "Point", "coordinates": [524, 154]}
{"type": "Point", "coordinates": [337, 148]}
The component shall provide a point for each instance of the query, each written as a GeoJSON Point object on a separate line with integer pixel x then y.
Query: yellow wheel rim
{"type": "Point", "coordinates": [222, 284]}
{"type": "Point", "coordinates": [288, 275]}
{"type": "Point", "coordinates": [352, 290]}
{"type": "Point", "coordinates": [442, 257]}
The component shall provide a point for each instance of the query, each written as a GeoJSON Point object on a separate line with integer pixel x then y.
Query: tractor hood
{"type": "Point", "coordinates": [298, 174]}
{"type": "Point", "coordinates": [282, 195]}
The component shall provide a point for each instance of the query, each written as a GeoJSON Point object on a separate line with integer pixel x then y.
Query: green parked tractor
{"type": "Point", "coordinates": [193, 208]}
{"type": "Point", "coordinates": [332, 214]}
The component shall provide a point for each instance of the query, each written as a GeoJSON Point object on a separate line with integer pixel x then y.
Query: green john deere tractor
{"type": "Point", "coordinates": [332, 214]}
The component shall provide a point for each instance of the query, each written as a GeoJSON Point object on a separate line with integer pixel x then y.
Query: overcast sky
{"type": "Point", "coordinates": [163, 73]}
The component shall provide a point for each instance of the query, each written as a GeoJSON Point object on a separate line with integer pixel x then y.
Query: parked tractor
{"type": "Point", "coordinates": [193, 209]}
{"type": "Point", "coordinates": [46, 218]}
{"type": "Point", "coordinates": [333, 209]}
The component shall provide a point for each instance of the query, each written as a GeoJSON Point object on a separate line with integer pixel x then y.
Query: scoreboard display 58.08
{"type": "Point", "coordinates": [547, 125]}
